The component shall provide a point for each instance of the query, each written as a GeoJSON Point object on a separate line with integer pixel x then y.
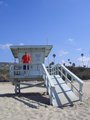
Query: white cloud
{"type": "Point", "coordinates": [79, 49]}
{"type": "Point", "coordinates": [63, 53]}
{"type": "Point", "coordinates": [21, 44]}
{"type": "Point", "coordinates": [85, 60]}
{"type": "Point", "coordinates": [1, 2]}
{"type": "Point", "coordinates": [5, 46]}
{"type": "Point", "coordinates": [66, 63]}
{"type": "Point", "coordinates": [71, 40]}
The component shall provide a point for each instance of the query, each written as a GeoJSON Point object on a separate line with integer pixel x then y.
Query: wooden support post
{"type": "Point", "coordinates": [17, 87]}
{"type": "Point", "coordinates": [61, 72]}
{"type": "Point", "coordinates": [51, 95]}
{"type": "Point", "coordinates": [71, 83]}
{"type": "Point", "coordinates": [80, 92]}
{"type": "Point", "coordinates": [65, 77]}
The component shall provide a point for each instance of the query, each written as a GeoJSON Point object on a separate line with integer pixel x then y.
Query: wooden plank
{"type": "Point", "coordinates": [58, 78]}
{"type": "Point", "coordinates": [63, 94]}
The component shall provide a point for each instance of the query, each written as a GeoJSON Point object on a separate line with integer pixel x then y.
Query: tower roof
{"type": "Point", "coordinates": [16, 49]}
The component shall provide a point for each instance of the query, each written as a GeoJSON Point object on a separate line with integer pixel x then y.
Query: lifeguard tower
{"type": "Point", "coordinates": [58, 80]}
{"type": "Point", "coordinates": [34, 72]}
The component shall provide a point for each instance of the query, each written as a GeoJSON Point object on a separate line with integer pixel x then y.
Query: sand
{"type": "Point", "coordinates": [33, 104]}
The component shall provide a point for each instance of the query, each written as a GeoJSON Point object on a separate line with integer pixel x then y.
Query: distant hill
{"type": "Point", "coordinates": [81, 72]}
{"type": "Point", "coordinates": [4, 71]}
{"type": "Point", "coordinates": [4, 65]}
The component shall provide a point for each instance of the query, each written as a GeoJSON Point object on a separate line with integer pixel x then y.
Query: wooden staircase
{"type": "Point", "coordinates": [57, 84]}
{"type": "Point", "coordinates": [62, 95]}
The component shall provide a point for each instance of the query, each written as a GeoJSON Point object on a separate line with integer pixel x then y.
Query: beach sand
{"type": "Point", "coordinates": [33, 104]}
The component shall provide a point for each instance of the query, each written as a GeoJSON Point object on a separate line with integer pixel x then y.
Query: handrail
{"type": "Point", "coordinates": [49, 84]}
{"type": "Point", "coordinates": [17, 70]}
{"type": "Point", "coordinates": [69, 72]}
{"type": "Point", "coordinates": [73, 75]}
{"type": "Point", "coordinates": [21, 64]}
{"type": "Point", "coordinates": [48, 75]}
{"type": "Point", "coordinates": [64, 72]}
{"type": "Point", "coordinates": [68, 80]}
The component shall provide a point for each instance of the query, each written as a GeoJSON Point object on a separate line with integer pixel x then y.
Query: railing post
{"type": "Point", "coordinates": [71, 83]}
{"type": "Point", "coordinates": [80, 92]}
{"type": "Point", "coordinates": [46, 80]}
{"type": "Point", "coordinates": [65, 77]}
{"type": "Point", "coordinates": [56, 70]}
{"type": "Point", "coordinates": [51, 70]}
{"type": "Point", "coordinates": [51, 95]}
{"type": "Point", "coordinates": [61, 72]}
{"type": "Point", "coordinates": [44, 77]}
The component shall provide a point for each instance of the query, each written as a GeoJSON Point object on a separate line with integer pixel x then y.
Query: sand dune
{"type": "Point", "coordinates": [33, 104]}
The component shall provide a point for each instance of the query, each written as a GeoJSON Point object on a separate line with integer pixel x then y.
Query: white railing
{"type": "Point", "coordinates": [76, 83]}
{"type": "Point", "coordinates": [48, 83]}
{"type": "Point", "coordinates": [25, 70]}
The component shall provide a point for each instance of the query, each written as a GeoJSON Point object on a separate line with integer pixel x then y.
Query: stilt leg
{"type": "Point", "coordinates": [17, 88]}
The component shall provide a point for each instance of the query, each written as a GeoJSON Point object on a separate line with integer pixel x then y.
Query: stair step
{"type": "Point", "coordinates": [59, 79]}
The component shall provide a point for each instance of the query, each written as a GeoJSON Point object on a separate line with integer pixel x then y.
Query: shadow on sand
{"type": "Point", "coordinates": [30, 99]}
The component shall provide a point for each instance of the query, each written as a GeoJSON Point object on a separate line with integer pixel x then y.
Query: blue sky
{"type": "Point", "coordinates": [63, 23]}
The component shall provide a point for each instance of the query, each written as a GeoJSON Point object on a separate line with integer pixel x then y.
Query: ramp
{"type": "Point", "coordinates": [59, 92]}
{"type": "Point", "coordinates": [62, 95]}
